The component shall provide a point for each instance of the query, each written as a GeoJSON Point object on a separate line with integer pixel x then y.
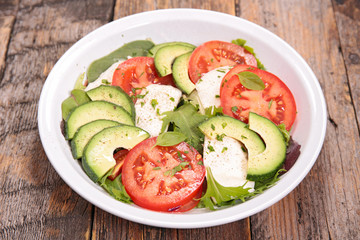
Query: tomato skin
{"type": "Point", "coordinates": [145, 177]}
{"type": "Point", "coordinates": [119, 157]}
{"type": "Point", "coordinates": [214, 54]}
{"type": "Point", "coordinates": [275, 102]}
{"type": "Point", "coordinates": [136, 73]}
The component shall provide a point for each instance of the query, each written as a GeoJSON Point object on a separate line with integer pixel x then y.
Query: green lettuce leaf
{"type": "Point", "coordinates": [76, 98]}
{"type": "Point", "coordinates": [186, 120]}
{"type": "Point", "coordinates": [242, 42]}
{"type": "Point", "coordinates": [115, 188]}
{"type": "Point", "coordinates": [217, 195]}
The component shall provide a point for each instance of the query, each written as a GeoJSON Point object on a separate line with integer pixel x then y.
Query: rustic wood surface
{"type": "Point", "coordinates": [35, 203]}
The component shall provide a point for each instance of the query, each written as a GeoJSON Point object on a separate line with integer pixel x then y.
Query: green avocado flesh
{"type": "Point", "coordinates": [86, 132]}
{"type": "Point", "coordinates": [154, 49]}
{"type": "Point", "coordinates": [114, 95]}
{"type": "Point", "coordinates": [133, 49]}
{"type": "Point", "coordinates": [92, 111]}
{"type": "Point", "coordinates": [165, 57]}
{"type": "Point", "coordinates": [264, 142]}
{"type": "Point", "coordinates": [267, 163]}
{"type": "Point", "coordinates": [98, 157]}
{"type": "Point", "coordinates": [180, 73]}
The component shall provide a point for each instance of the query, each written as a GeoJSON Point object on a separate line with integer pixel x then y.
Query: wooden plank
{"type": "Point", "coordinates": [34, 201]}
{"type": "Point", "coordinates": [6, 24]}
{"type": "Point", "coordinates": [347, 14]}
{"type": "Point", "coordinates": [325, 205]}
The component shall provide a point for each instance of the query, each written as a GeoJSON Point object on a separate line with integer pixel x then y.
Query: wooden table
{"type": "Point", "coordinates": [35, 203]}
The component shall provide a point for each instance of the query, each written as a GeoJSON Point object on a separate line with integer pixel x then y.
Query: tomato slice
{"type": "Point", "coordinates": [119, 157]}
{"type": "Point", "coordinates": [214, 54]}
{"type": "Point", "coordinates": [163, 178]}
{"type": "Point", "coordinates": [275, 102]}
{"type": "Point", "coordinates": [136, 73]}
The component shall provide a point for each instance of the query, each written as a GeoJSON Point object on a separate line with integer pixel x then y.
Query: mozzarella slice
{"type": "Point", "coordinates": [156, 100]}
{"type": "Point", "coordinates": [208, 87]}
{"type": "Point", "coordinates": [228, 162]}
{"type": "Point", "coordinates": [105, 77]}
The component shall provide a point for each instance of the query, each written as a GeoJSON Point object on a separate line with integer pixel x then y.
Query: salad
{"type": "Point", "coordinates": [173, 126]}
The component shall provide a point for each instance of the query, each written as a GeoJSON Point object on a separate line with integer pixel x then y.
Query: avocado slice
{"type": "Point", "coordinates": [114, 95]}
{"type": "Point", "coordinates": [86, 132]}
{"type": "Point", "coordinates": [154, 49]}
{"type": "Point", "coordinates": [98, 157]}
{"type": "Point", "coordinates": [180, 73]}
{"type": "Point", "coordinates": [92, 111]}
{"type": "Point", "coordinates": [165, 57]}
{"type": "Point", "coordinates": [264, 160]}
{"type": "Point", "coordinates": [267, 163]}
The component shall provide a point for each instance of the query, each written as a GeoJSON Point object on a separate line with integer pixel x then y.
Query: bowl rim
{"type": "Point", "coordinates": [190, 219]}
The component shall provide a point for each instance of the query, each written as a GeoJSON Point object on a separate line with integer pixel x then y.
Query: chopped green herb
{"type": "Point", "coordinates": [172, 99]}
{"type": "Point", "coordinates": [110, 95]}
{"type": "Point", "coordinates": [243, 137]}
{"type": "Point", "coordinates": [212, 127]}
{"type": "Point", "coordinates": [217, 96]}
{"type": "Point", "coordinates": [176, 169]}
{"type": "Point", "coordinates": [212, 60]}
{"type": "Point", "coordinates": [142, 104]}
{"type": "Point", "coordinates": [180, 156]}
{"type": "Point", "coordinates": [186, 152]}
{"type": "Point", "coordinates": [105, 81]}
{"type": "Point", "coordinates": [154, 102]}
{"type": "Point", "coordinates": [224, 125]}
{"type": "Point", "coordinates": [234, 109]}
{"type": "Point", "coordinates": [224, 149]}
{"type": "Point", "coordinates": [199, 75]}
{"type": "Point", "coordinates": [219, 70]}
{"type": "Point", "coordinates": [200, 163]}
{"type": "Point", "coordinates": [211, 148]}
{"type": "Point", "coordinates": [242, 148]}
{"type": "Point", "coordinates": [141, 74]}
{"type": "Point", "coordinates": [156, 168]}
{"type": "Point", "coordinates": [220, 137]}
{"type": "Point", "coordinates": [270, 103]}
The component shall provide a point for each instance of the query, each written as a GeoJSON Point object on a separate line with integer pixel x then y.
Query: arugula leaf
{"type": "Point", "coordinates": [115, 188]}
{"type": "Point", "coordinates": [217, 195]}
{"type": "Point", "coordinates": [186, 120]}
{"type": "Point", "coordinates": [169, 139]}
{"type": "Point", "coordinates": [284, 132]}
{"type": "Point", "coordinates": [241, 42]}
{"type": "Point", "coordinates": [251, 81]}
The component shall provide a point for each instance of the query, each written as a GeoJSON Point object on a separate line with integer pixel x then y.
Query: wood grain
{"type": "Point", "coordinates": [6, 24]}
{"type": "Point", "coordinates": [35, 202]}
{"type": "Point", "coordinates": [325, 205]}
{"type": "Point", "coordinates": [347, 15]}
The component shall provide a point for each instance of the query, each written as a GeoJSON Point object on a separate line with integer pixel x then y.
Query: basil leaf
{"type": "Point", "coordinates": [186, 120]}
{"type": "Point", "coordinates": [170, 139]}
{"type": "Point", "coordinates": [251, 81]}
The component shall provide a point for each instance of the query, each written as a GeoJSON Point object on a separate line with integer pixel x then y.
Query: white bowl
{"type": "Point", "coordinates": [196, 27]}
